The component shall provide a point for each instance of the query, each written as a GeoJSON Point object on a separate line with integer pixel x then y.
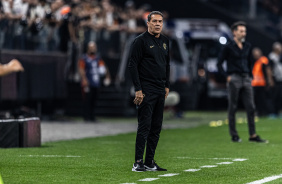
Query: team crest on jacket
{"type": "Point", "coordinates": [164, 45]}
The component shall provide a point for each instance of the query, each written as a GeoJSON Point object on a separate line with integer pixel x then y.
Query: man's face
{"type": "Point", "coordinates": [257, 54]}
{"type": "Point", "coordinates": [155, 25]}
{"type": "Point", "coordinates": [278, 49]}
{"type": "Point", "coordinates": [240, 33]}
{"type": "Point", "coordinates": [92, 49]}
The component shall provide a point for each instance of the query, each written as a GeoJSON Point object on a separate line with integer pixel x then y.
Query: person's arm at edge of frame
{"type": "Point", "coordinates": [135, 57]}
{"type": "Point", "coordinates": [13, 66]}
{"type": "Point", "coordinates": [221, 58]}
{"type": "Point", "coordinates": [167, 84]}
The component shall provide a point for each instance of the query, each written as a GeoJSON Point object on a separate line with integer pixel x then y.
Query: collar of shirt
{"type": "Point", "coordinates": [153, 36]}
{"type": "Point", "coordinates": [235, 44]}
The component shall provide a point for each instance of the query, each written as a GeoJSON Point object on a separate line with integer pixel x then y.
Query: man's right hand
{"type": "Point", "coordinates": [15, 65]}
{"type": "Point", "coordinates": [84, 82]}
{"type": "Point", "coordinates": [138, 97]}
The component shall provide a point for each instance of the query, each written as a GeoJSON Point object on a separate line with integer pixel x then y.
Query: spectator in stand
{"type": "Point", "coordinates": [276, 66]}
{"type": "Point", "coordinates": [44, 25]}
{"type": "Point", "coordinates": [13, 11]}
{"type": "Point", "coordinates": [74, 30]}
{"type": "Point", "coordinates": [262, 80]}
{"type": "Point", "coordinates": [91, 69]}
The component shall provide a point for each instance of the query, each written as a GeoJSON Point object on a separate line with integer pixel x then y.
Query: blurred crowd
{"type": "Point", "coordinates": [58, 25]}
{"type": "Point", "coordinates": [267, 13]}
{"type": "Point", "coordinates": [273, 13]}
{"type": "Point", "coordinates": [267, 81]}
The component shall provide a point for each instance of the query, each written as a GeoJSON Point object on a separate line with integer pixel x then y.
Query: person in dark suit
{"type": "Point", "coordinates": [238, 55]}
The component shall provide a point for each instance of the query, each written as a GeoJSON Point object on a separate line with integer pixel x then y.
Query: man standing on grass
{"type": "Point", "coordinates": [149, 68]}
{"type": "Point", "coordinates": [237, 54]}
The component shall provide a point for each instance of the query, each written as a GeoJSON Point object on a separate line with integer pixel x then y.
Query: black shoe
{"type": "Point", "coordinates": [138, 166]}
{"type": "Point", "coordinates": [154, 167]}
{"type": "Point", "coordinates": [257, 139]}
{"type": "Point", "coordinates": [236, 138]}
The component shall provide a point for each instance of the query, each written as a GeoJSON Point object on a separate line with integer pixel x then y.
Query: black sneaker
{"type": "Point", "coordinates": [138, 166]}
{"type": "Point", "coordinates": [236, 138]}
{"type": "Point", "coordinates": [257, 139]}
{"type": "Point", "coordinates": [154, 167]}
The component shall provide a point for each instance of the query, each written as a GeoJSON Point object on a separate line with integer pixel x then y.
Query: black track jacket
{"type": "Point", "coordinates": [149, 63]}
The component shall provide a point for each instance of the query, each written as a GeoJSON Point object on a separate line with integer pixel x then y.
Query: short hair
{"type": "Point", "coordinates": [235, 25]}
{"type": "Point", "coordinates": [91, 43]}
{"type": "Point", "coordinates": [276, 45]}
{"type": "Point", "coordinates": [154, 13]}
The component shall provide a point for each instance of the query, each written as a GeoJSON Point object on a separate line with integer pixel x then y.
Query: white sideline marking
{"type": "Point", "coordinates": [66, 156]}
{"type": "Point", "coordinates": [208, 166]}
{"type": "Point", "coordinates": [128, 183]}
{"type": "Point", "coordinates": [234, 159]}
{"type": "Point", "coordinates": [167, 175]}
{"type": "Point", "coordinates": [224, 163]}
{"type": "Point", "coordinates": [149, 179]}
{"type": "Point", "coordinates": [239, 159]}
{"type": "Point", "coordinates": [192, 170]}
{"type": "Point", "coordinates": [267, 179]}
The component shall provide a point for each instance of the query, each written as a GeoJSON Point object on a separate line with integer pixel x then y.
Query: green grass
{"type": "Point", "coordinates": [109, 159]}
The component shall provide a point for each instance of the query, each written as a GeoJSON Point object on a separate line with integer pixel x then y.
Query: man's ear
{"type": "Point", "coordinates": [233, 32]}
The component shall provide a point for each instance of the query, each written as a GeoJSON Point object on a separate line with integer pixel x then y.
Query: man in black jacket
{"type": "Point", "coordinates": [237, 53]}
{"type": "Point", "coordinates": [149, 68]}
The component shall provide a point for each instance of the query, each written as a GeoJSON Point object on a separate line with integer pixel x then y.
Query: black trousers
{"type": "Point", "coordinates": [89, 102]}
{"type": "Point", "coordinates": [240, 84]}
{"type": "Point", "coordinates": [150, 119]}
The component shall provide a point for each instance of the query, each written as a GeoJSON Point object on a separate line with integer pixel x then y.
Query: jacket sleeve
{"type": "Point", "coordinates": [221, 58]}
{"type": "Point", "coordinates": [167, 83]}
{"type": "Point", "coordinates": [135, 57]}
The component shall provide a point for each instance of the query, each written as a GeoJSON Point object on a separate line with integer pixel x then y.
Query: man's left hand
{"type": "Point", "coordinates": [166, 92]}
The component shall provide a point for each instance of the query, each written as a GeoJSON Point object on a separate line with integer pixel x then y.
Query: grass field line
{"type": "Point", "coordinates": [224, 163]}
{"type": "Point", "coordinates": [195, 170]}
{"type": "Point", "coordinates": [55, 156]}
{"type": "Point", "coordinates": [267, 179]}
{"type": "Point", "coordinates": [208, 166]}
{"type": "Point", "coordinates": [149, 179]}
{"type": "Point", "coordinates": [192, 170]}
{"type": "Point", "coordinates": [168, 175]}
{"type": "Point", "coordinates": [233, 159]}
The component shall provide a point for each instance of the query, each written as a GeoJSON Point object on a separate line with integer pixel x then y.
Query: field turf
{"type": "Point", "coordinates": [109, 159]}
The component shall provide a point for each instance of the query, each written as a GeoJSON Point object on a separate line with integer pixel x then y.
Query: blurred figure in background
{"type": "Point", "coordinates": [261, 82]}
{"type": "Point", "coordinates": [238, 56]}
{"type": "Point", "coordinates": [276, 66]}
{"type": "Point", "coordinates": [91, 69]}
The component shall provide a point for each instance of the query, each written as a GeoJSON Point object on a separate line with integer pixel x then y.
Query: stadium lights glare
{"type": "Point", "coordinates": [179, 34]}
{"type": "Point", "coordinates": [222, 40]}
